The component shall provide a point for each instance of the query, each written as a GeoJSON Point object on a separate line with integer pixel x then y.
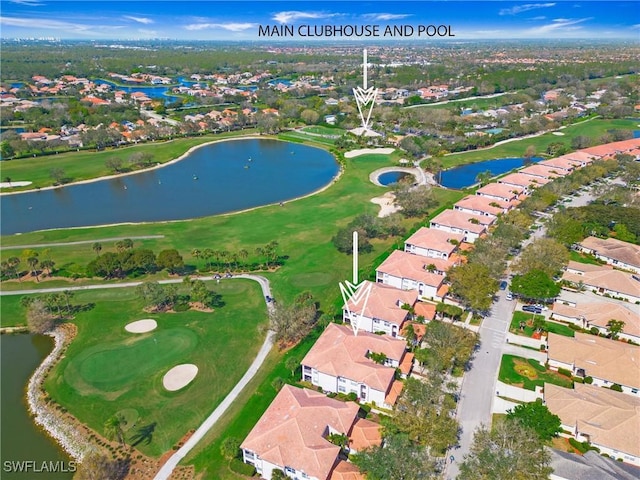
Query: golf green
{"type": "Point", "coordinates": [114, 368]}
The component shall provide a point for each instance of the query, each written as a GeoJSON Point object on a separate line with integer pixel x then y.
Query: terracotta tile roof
{"type": "Point", "coordinates": [614, 248]}
{"type": "Point", "coordinates": [426, 310]}
{"type": "Point", "coordinates": [561, 163]}
{"type": "Point", "coordinates": [611, 360]}
{"type": "Point", "coordinates": [579, 156]}
{"type": "Point", "coordinates": [418, 328]}
{"type": "Point", "coordinates": [291, 431]}
{"type": "Point", "coordinates": [442, 291]}
{"type": "Point", "coordinates": [599, 314]}
{"type": "Point", "coordinates": [543, 171]}
{"type": "Point", "coordinates": [394, 392]}
{"type": "Point", "coordinates": [406, 265]}
{"type": "Point", "coordinates": [610, 418]}
{"type": "Point", "coordinates": [346, 471]}
{"type": "Point", "coordinates": [602, 277]}
{"type": "Point", "coordinates": [364, 434]}
{"type": "Point", "coordinates": [385, 303]}
{"type": "Point", "coordinates": [523, 180]}
{"type": "Point", "coordinates": [482, 204]}
{"type": "Point", "coordinates": [407, 363]}
{"type": "Point", "coordinates": [434, 239]}
{"type": "Point", "coordinates": [508, 192]}
{"type": "Point", "coordinates": [611, 149]}
{"type": "Point", "coordinates": [340, 353]}
{"type": "Point", "coordinates": [461, 220]}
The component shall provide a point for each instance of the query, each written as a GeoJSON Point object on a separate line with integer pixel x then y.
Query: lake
{"type": "Point", "coordinates": [465, 175]}
{"type": "Point", "coordinates": [21, 438]}
{"type": "Point", "coordinates": [389, 178]}
{"type": "Point", "coordinates": [217, 178]}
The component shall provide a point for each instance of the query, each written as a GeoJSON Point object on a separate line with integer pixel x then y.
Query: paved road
{"type": "Point", "coordinates": [479, 384]}
{"type": "Point", "coordinates": [64, 244]}
{"type": "Point", "coordinates": [173, 461]}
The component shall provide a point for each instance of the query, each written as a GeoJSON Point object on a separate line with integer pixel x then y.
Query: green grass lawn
{"type": "Point", "coordinates": [529, 373]}
{"type": "Point", "coordinates": [106, 369]}
{"type": "Point", "coordinates": [582, 258]}
{"type": "Point", "coordinates": [320, 130]}
{"type": "Point", "coordinates": [302, 137]}
{"type": "Point", "coordinates": [527, 318]}
{"type": "Point", "coordinates": [592, 128]}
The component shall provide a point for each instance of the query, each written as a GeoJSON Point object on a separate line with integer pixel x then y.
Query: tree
{"type": "Point", "coordinates": [171, 260]}
{"type": "Point", "coordinates": [97, 247]}
{"type": "Point", "coordinates": [343, 241]}
{"type": "Point", "coordinates": [535, 285]}
{"type": "Point", "coordinates": [6, 151]}
{"type": "Point", "coordinates": [510, 451]}
{"type": "Point", "coordinates": [144, 259]}
{"type": "Point", "coordinates": [529, 154]}
{"type": "Point", "coordinates": [33, 264]}
{"type": "Point", "coordinates": [414, 201]}
{"type": "Point", "coordinates": [230, 448]}
{"type": "Point", "coordinates": [292, 323]}
{"type": "Point", "coordinates": [536, 416]}
{"type": "Point", "coordinates": [114, 164]}
{"type": "Point", "coordinates": [48, 265]}
{"type": "Point", "coordinates": [107, 266]}
{"type": "Point", "coordinates": [200, 293]}
{"type": "Point", "coordinates": [156, 296]}
{"type": "Point", "coordinates": [310, 117]}
{"type": "Point", "coordinates": [544, 254]}
{"type": "Point", "coordinates": [473, 283]}
{"type": "Point", "coordinates": [96, 466]}
{"type": "Point", "coordinates": [113, 427]}
{"type": "Point", "coordinates": [450, 346]}
{"type": "Point", "coordinates": [291, 364]}
{"type": "Point", "coordinates": [484, 177]}
{"type": "Point", "coordinates": [399, 459]}
{"type": "Point", "coordinates": [57, 174]}
{"type": "Point", "coordinates": [614, 328]}
{"type": "Point", "coordinates": [39, 318]}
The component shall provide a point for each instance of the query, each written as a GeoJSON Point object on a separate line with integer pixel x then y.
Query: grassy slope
{"type": "Point", "coordinates": [93, 382]}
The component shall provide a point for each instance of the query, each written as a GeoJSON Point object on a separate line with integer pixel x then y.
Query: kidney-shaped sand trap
{"type": "Point", "coordinates": [141, 326]}
{"type": "Point", "coordinates": [179, 376]}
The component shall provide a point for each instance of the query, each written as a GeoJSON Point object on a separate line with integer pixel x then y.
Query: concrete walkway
{"type": "Point", "coordinates": [97, 240]}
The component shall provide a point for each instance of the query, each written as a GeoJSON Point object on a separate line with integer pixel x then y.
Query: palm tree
{"type": "Point", "coordinates": [66, 296]}
{"type": "Point", "coordinates": [48, 266]}
{"type": "Point", "coordinates": [33, 263]}
{"type": "Point", "coordinates": [14, 263]}
{"type": "Point", "coordinates": [224, 256]}
{"type": "Point", "coordinates": [243, 255]}
{"type": "Point", "coordinates": [259, 253]}
{"type": "Point", "coordinates": [483, 177]}
{"type": "Point", "coordinates": [97, 247]}
{"type": "Point", "coordinates": [208, 254]}
{"type": "Point", "coordinates": [113, 427]}
{"type": "Point", "coordinates": [8, 180]}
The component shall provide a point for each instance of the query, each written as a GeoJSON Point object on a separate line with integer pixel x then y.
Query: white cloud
{"type": "Point", "coordinates": [231, 27]}
{"type": "Point", "coordinates": [386, 16]}
{"type": "Point", "coordinates": [524, 8]}
{"type": "Point", "coordinates": [143, 20]}
{"type": "Point", "coordinates": [292, 16]}
{"type": "Point", "coordinates": [51, 24]}
{"type": "Point", "coordinates": [28, 3]}
{"type": "Point", "coordinates": [558, 25]}
{"type": "Point", "coordinates": [635, 27]}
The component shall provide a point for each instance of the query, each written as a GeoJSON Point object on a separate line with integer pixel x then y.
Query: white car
{"type": "Point", "coordinates": [509, 296]}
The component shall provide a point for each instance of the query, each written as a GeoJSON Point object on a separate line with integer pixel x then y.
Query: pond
{"type": "Point", "coordinates": [465, 175]}
{"type": "Point", "coordinates": [216, 178]}
{"type": "Point", "coordinates": [21, 438]}
{"type": "Point", "coordinates": [388, 178]}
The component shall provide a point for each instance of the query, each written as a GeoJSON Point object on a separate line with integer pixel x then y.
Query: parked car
{"type": "Point", "coordinates": [531, 309]}
{"type": "Point", "coordinates": [503, 285]}
{"type": "Point", "coordinates": [509, 296]}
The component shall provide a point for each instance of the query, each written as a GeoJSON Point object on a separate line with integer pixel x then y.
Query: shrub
{"type": "Point", "coordinates": [582, 447]}
{"type": "Point", "coordinates": [352, 397]}
{"type": "Point", "coordinates": [616, 387]}
{"type": "Point", "coordinates": [588, 380]}
{"type": "Point", "coordinates": [242, 468]}
{"type": "Point", "coordinates": [565, 372]}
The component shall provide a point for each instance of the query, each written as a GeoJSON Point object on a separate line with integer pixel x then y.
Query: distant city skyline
{"type": "Point", "coordinates": [239, 20]}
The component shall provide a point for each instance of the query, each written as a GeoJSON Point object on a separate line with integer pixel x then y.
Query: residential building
{"type": "Point", "coordinates": [524, 181]}
{"type": "Point", "coordinates": [340, 362]}
{"type": "Point", "coordinates": [603, 279]}
{"type": "Point", "coordinates": [606, 419]}
{"type": "Point", "coordinates": [613, 251]}
{"type": "Point", "coordinates": [467, 224]}
{"type": "Point", "coordinates": [562, 164]}
{"type": "Point", "coordinates": [292, 435]}
{"type": "Point", "coordinates": [484, 206]}
{"type": "Point", "coordinates": [610, 150]}
{"type": "Point", "coordinates": [598, 314]}
{"type": "Point", "coordinates": [411, 272]}
{"type": "Point", "coordinates": [433, 243]}
{"type": "Point", "coordinates": [500, 191]}
{"type": "Point", "coordinates": [590, 466]}
{"type": "Point", "coordinates": [543, 171]}
{"type": "Point", "coordinates": [607, 362]}
{"type": "Point", "coordinates": [386, 308]}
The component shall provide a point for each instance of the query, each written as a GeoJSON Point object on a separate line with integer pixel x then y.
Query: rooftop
{"type": "Point", "coordinates": [599, 314]}
{"type": "Point", "coordinates": [499, 190]}
{"type": "Point", "coordinates": [602, 277]}
{"type": "Point", "coordinates": [617, 362]}
{"type": "Point", "coordinates": [610, 418]}
{"type": "Point", "coordinates": [462, 220]}
{"type": "Point", "coordinates": [613, 248]}
{"type": "Point", "coordinates": [385, 303]}
{"type": "Point", "coordinates": [292, 430]}
{"type": "Point", "coordinates": [406, 265]}
{"type": "Point", "coordinates": [434, 239]}
{"type": "Point", "coordinates": [523, 180]}
{"type": "Point", "coordinates": [340, 353]}
{"type": "Point", "coordinates": [483, 204]}
{"type": "Point", "coordinates": [542, 171]}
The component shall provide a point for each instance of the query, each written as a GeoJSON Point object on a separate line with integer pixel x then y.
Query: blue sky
{"type": "Point", "coordinates": [240, 20]}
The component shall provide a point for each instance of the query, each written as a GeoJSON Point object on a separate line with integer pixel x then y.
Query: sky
{"type": "Point", "coordinates": [239, 20]}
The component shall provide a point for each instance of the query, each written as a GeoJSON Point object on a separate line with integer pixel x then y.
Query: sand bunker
{"type": "Point", "coordinates": [14, 184]}
{"type": "Point", "coordinates": [387, 207]}
{"type": "Point", "coordinates": [141, 326]}
{"type": "Point", "coordinates": [179, 376]}
{"type": "Point", "coordinates": [365, 151]}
